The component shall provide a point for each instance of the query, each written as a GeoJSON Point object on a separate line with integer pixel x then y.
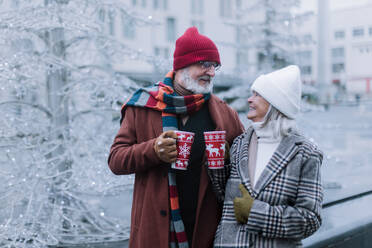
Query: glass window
{"type": "Point", "coordinates": [144, 3]}
{"type": "Point", "coordinates": [15, 3]}
{"type": "Point", "coordinates": [155, 4]}
{"type": "Point", "coordinates": [134, 2]}
{"type": "Point", "coordinates": [238, 4]}
{"type": "Point", "coordinates": [358, 32]}
{"type": "Point", "coordinates": [165, 4]}
{"type": "Point", "coordinates": [370, 31]}
{"type": "Point", "coordinates": [171, 29]}
{"type": "Point", "coordinates": [305, 57]}
{"type": "Point", "coordinates": [338, 52]}
{"type": "Point", "coordinates": [339, 34]}
{"type": "Point", "coordinates": [337, 68]}
{"type": "Point", "coordinates": [308, 37]}
{"type": "Point", "coordinates": [242, 36]}
{"type": "Point", "coordinates": [111, 23]}
{"type": "Point", "coordinates": [101, 15]}
{"type": "Point", "coordinates": [225, 8]}
{"type": "Point", "coordinates": [129, 30]}
{"type": "Point", "coordinates": [166, 53]}
{"type": "Point", "coordinates": [156, 51]}
{"type": "Point", "coordinates": [199, 25]}
{"type": "Point", "coordinates": [306, 70]}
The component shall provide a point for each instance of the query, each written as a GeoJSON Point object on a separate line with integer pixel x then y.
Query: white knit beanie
{"type": "Point", "coordinates": [282, 89]}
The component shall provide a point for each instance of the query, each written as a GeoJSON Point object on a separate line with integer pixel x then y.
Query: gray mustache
{"type": "Point", "coordinates": [206, 77]}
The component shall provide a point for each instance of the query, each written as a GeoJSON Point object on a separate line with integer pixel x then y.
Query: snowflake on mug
{"type": "Point", "coordinates": [184, 150]}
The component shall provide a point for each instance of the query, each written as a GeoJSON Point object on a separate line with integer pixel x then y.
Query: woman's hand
{"type": "Point", "coordinates": [243, 205]}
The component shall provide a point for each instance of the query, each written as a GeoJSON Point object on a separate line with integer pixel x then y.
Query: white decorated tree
{"type": "Point", "coordinates": [60, 101]}
{"type": "Point", "coordinates": [266, 28]}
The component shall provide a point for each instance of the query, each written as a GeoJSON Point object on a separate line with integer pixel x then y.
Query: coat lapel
{"type": "Point", "coordinates": [286, 150]}
{"type": "Point", "coordinates": [242, 162]}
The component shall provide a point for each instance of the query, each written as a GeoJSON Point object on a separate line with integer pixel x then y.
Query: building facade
{"type": "Point", "coordinates": [350, 52]}
{"type": "Point", "coordinates": [167, 21]}
{"type": "Point", "coordinates": [350, 40]}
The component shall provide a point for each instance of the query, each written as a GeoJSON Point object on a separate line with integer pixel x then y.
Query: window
{"type": "Point", "coordinates": [306, 70]}
{"type": "Point", "coordinates": [129, 30]}
{"type": "Point", "coordinates": [156, 51]}
{"type": "Point", "coordinates": [111, 23]}
{"type": "Point", "coordinates": [199, 25]}
{"type": "Point", "coordinates": [171, 29]}
{"type": "Point", "coordinates": [15, 3]}
{"type": "Point", "coordinates": [241, 59]}
{"type": "Point", "coordinates": [166, 53]}
{"type": "Point", "coordinates": [339, 35]}
{"type": "Point", "coordinates": [308, 37]}
{"type": "Point", "coordinates": [155, 4]}
{"type": "Point", "coordinates": [101, 15]}
{"type": "Point", "coordinates": [165, 4]}
{"type": "Point", "coordinates": [305, 57]}
{"type": "Point", "coordinates": [197, 7]}
{"type": "Point", "coordinates": [134, 2]}
{"type": "Point", "coordinates": [238, 4]}
{"type": "Point", "coordinates": [370, 31]}
{"type": "Point", "coordinates": [242, 36]}
{"type": "Point", "coordinates": [163, 52]}
{"type": "Point", "coordinates": [338, 52]}
{"type": "Point", "coordinates": [338, 68]}
{"type": "Point", "coordinates": [358, 32]}
{"type": "Point", "coordinates": [144, 3]}
{"type": "Point", "coordinates": [364, 49]}
{"type": "Point", "coordinates": [225, 8]}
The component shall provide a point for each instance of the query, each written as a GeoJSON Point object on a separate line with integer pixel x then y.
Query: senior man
{"type": "Point", "coordinates": [174, 208]}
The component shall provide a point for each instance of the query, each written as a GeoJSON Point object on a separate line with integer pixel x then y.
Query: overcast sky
{"type": "Point", "coordinates": [334, 4]}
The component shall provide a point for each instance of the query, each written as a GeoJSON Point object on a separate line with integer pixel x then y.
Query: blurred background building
{"type": "Point", "coordinates": [231, 24]}
{"type": "Point", "coordinates": [350, 40]}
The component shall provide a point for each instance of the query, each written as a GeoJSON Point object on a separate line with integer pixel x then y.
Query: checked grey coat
{"type": "Point", "coordinates": [288, 195]}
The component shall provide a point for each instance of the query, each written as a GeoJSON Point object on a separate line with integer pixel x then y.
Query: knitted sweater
{"type": "Point", "coordinates": [267, 144]}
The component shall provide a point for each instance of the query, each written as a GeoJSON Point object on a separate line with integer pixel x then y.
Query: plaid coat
{"type": "Point", "coordinates": [288, 195]}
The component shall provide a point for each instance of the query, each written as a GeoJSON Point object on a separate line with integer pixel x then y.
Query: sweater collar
{"type": "Point", "coordinates": [265, 134]}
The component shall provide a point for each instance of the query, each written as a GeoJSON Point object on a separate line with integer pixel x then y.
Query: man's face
{"type": "Point", "coordinates": [198, 77]}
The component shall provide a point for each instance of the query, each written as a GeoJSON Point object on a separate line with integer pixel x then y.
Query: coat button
{"type": "Point", "coordinates": [163, 213]}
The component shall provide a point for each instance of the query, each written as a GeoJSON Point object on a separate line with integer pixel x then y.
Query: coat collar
{"type": "Point", "coordinates": [286, 150]}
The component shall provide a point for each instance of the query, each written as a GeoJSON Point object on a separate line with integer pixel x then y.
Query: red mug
{"type": "Point", "coordinates": [184, 143]}
{"type": "Point", "coordinates": [215, 148]}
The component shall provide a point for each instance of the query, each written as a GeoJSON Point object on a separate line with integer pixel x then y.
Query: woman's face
{"type": "Point", "coordinates": [258, 107]}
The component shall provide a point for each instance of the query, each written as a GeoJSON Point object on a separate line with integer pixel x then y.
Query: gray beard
{"type": "Point", "coordinates": [193, 85]}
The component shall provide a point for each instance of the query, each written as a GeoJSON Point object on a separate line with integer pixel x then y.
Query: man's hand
{"type": "Point", "coordinates": [165, 146]}
{"type": "Point", "coordinates": [243, 205]}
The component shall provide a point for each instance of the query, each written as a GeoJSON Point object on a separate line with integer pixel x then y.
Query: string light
{"type": "Point", "coordinates": [53, 159]}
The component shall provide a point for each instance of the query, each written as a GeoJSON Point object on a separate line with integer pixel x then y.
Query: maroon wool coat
{"type": "Point", "coordinates": [133, 152]}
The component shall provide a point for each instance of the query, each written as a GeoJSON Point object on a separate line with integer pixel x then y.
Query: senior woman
{"type": "Point", "coordinates": [273, 194]}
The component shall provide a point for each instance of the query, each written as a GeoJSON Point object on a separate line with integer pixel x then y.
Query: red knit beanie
{"type": "Point", "coordinates": [193, 47]}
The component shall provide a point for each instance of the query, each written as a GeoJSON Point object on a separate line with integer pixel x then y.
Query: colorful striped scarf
{"type": "Point", "coordinates": [162, 97]}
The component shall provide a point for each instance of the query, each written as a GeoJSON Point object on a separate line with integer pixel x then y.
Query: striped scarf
{"type": "Point", "coordinates": [162, 97]}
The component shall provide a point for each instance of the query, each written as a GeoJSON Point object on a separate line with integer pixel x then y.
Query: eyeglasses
{"type": "Point", "coordinates": [208, 64]}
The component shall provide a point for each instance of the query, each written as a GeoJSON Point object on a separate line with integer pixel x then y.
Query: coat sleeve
{"type": "Point", "coordinates": [219, 177]}
{"type": "Point", "coordinates": [300, 220]}
{"type": "Point", "coordinates": [126, 155]}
